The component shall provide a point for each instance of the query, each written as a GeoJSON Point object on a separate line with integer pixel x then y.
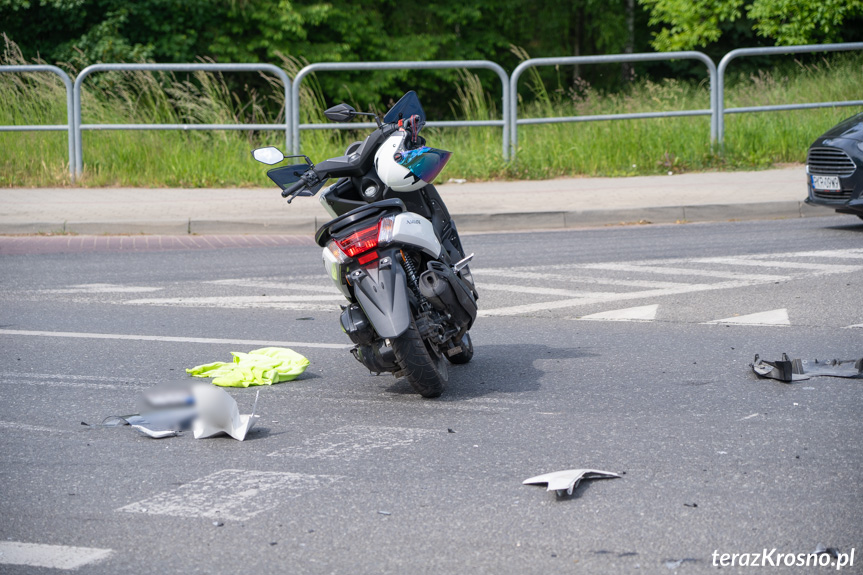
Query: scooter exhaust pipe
{"type": "Point", "coordinates": [444, 292]}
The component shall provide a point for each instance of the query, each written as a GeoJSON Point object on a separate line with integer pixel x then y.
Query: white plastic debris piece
{"type": "Point", "coordinates": [568, 480]}
{"type": "Point", "coordinates": [156, 434]}
{"type": "Point", "coordinates": [218, 413]}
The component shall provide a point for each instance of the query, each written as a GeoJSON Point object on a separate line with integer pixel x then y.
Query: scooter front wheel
{"type": "Point", "coordinates": [424, 368]}
{"type": "Point", "coordinates": [466, 352]}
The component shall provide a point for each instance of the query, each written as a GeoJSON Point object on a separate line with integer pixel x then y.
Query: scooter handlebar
{"type": "Point", "coordinates": [294, 190]}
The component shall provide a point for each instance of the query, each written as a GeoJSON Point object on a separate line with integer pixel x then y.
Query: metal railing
{"type": "Point", "coordinates": [610, 59]}
{"type": "Point", "coordinates": [509, 84]}
{"type": "Point", "coordinates": [741, 52]}
{"type": "Point", "coordinates": [432, 65]}
{"type": "Point", "coordinates": [70, 123]}
{"type": "Point", "coordinates": [79, 127]}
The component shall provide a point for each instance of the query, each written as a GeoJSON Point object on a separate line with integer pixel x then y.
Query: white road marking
{"type": "Point", "coordinates": [540, 290]}
{"type": "Point", "coordinates": [4, 380]}
{"type": "Point", "coordinates": [293, 302]}
{"type": "Point", "coordinates": [118, 336]}
{"type": "Point", "coordinates": [774, 317]}
{"type": "Point", "coordinates": [72, 377]}
{"type": "Point", "coordinates": [445, 406]}
{"type": "Point", "coordinates": [641, 313]}
{"type": "Point", "coordinates": [838, 254]}
{"type": "Point", "coordinates": [763, 263]}
{"type": "Point", "coordinates": [231, 494]}
{"type": "Point", "coordinates": [353, 442]}
{"type": "Point", "coordinates": [560, 304]}
{"type": "Point", "coordinates": [269, 284]}
{"type": "Point", "coordinates": [673, 267]}
{"type": "Point", "coordinates": [647, 268]}
{"type": "Point", "coordinates": [28, 427]}
{"type": "Point", "coordinates": [520, 273]}
{"type": "Point", "coordinates": [102, 288]}
{"type": "Point", "coordinates": [50, 556]}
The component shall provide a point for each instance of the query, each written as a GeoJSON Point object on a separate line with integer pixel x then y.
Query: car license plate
{"type": "Point", "coordinates": [825, 182]}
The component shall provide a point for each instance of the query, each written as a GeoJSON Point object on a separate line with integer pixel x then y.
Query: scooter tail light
{"type": "Point", "coordinates": [360, 241]}
{"type": "Point", "coordinates": [367, 257]}
{"type": "Point", "coordinates": [387, 226]}
{"type": "Point", "coordinates": [337, 252]}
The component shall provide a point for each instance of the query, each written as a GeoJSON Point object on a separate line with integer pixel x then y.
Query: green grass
{"type": "Point", "coordinates": [221, 158]}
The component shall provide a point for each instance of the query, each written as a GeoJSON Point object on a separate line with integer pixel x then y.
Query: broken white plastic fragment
{"type": "Point", "coordinates": [156, 434]}
{"type": "Point", "coordinates": [567, 480]}
{"type": "Point", "coordinates": [218, 413]}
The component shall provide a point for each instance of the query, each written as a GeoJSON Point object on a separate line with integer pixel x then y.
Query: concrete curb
{"type": "Point", "coordinates": [499, 222]}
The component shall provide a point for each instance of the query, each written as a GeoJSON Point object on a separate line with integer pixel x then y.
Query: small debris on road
{"type": "Point", "coordinates": [568, 480]}
{"type": "Point", "coordinates": [218, 413]}
{"type": "Point", "coordinates": [788, 370]}
{"type": "Point", "coordinates": [675, 563]}
{"type": "Point", "coordinates": [820, 549]}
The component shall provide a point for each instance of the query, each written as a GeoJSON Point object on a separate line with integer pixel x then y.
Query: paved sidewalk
{"type": "Point", "coordinates": [483, 206]}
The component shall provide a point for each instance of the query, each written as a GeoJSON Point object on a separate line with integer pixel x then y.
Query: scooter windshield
{"type": "Point", "coordinates": [425, 163]}
{"type": "Point", "coordinates": [407, 106]}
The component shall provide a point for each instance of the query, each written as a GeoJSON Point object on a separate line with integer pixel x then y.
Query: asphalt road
{"type": "Point", "coordinates": [351, 473]}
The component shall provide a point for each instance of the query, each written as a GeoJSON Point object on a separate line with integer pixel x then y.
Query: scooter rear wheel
{"type": "Point", "coordinates": [425, 369]}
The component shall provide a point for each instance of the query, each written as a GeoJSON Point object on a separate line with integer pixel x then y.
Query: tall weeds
{"type": "Point", "coordinates": [221, 158]}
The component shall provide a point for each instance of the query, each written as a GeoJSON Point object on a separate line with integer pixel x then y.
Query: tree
{"type": "Point", "coordinates": [688, 24]}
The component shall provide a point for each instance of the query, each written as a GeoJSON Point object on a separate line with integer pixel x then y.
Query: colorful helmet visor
{"type": "Point", "coordinates": [425, 163]}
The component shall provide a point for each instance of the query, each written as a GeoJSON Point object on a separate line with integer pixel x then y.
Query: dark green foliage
{"type": "Point", "coordinates": [76, 33]}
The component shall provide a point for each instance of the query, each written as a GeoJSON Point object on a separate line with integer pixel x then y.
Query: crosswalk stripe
{"type": "Point", "coordinates": [776, 317]}
{"type": "Point", "coordinates": [207, 340]}
{"type": "Point", "coordinates": [231, 494]}
{"type": "Point", "coordinates": [838, 254]}
{"type": "Point", "coordinates": [102, 288]}
{"type": "Point", "coordinates": [238, 301]}
{"type": "Point", "coordinates": [541, 290]}
{"type": "Point", "coordinates": [517, 273]}
{"type": "Point", "coordinates": [830, 268]}
{"type": "Point", "coordinates": [268, 284]}
{"type": "Point", "coordinates": [353, 442]}
{"type": "Point", "coordinates": [646, 268]}
{"type": "Point", "coordinates": [641, 313]}
{"type": "Point", "coordinates": [567, 303]}
{"type": "Point", "coordinates": [50, 556]}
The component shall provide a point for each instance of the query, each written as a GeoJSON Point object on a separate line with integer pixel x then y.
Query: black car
{"type": "Point", "coordinates": [834, 168]}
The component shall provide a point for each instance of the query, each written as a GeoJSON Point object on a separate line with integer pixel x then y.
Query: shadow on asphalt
{"type": "Point", "coordinates": [497, 369]}
{"type": "Point", "coordinates": [850, 227]}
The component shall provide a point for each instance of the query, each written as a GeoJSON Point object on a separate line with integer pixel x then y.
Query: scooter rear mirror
{"type": "Point", "coordinates": [341, 113]}
{"type": "Point", "coordinates": [269, 155]}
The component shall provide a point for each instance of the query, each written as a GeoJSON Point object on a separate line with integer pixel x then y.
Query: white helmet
{"type": "Point", "coordinates": [405, 170]}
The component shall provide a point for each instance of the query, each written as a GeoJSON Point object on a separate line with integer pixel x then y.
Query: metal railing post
{"type": "Point", "coordinates": [202, 67]}
{"type": "Point", "coordinates": [430, 65]}
{"type": "Point", "coordinates": [740, 52]}
{"type": "Point", "coordinates": [70, 121]}
{"type": "Point", "coordinates": [612, 59]}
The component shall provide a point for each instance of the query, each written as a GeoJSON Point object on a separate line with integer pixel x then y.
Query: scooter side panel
{"type": "Point", "coordinates": [385, 301]}
{"type": "Point", "coordinates": [413, 229]}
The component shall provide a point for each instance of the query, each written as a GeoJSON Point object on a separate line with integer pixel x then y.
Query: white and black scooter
{"type": "Point", "coordinates": [392, 249]}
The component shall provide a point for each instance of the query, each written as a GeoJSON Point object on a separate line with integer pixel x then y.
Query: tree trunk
{"type": "Point", "coordinates": [627, 71]}
{"type": "Point", "coordinates": [577, 34]}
